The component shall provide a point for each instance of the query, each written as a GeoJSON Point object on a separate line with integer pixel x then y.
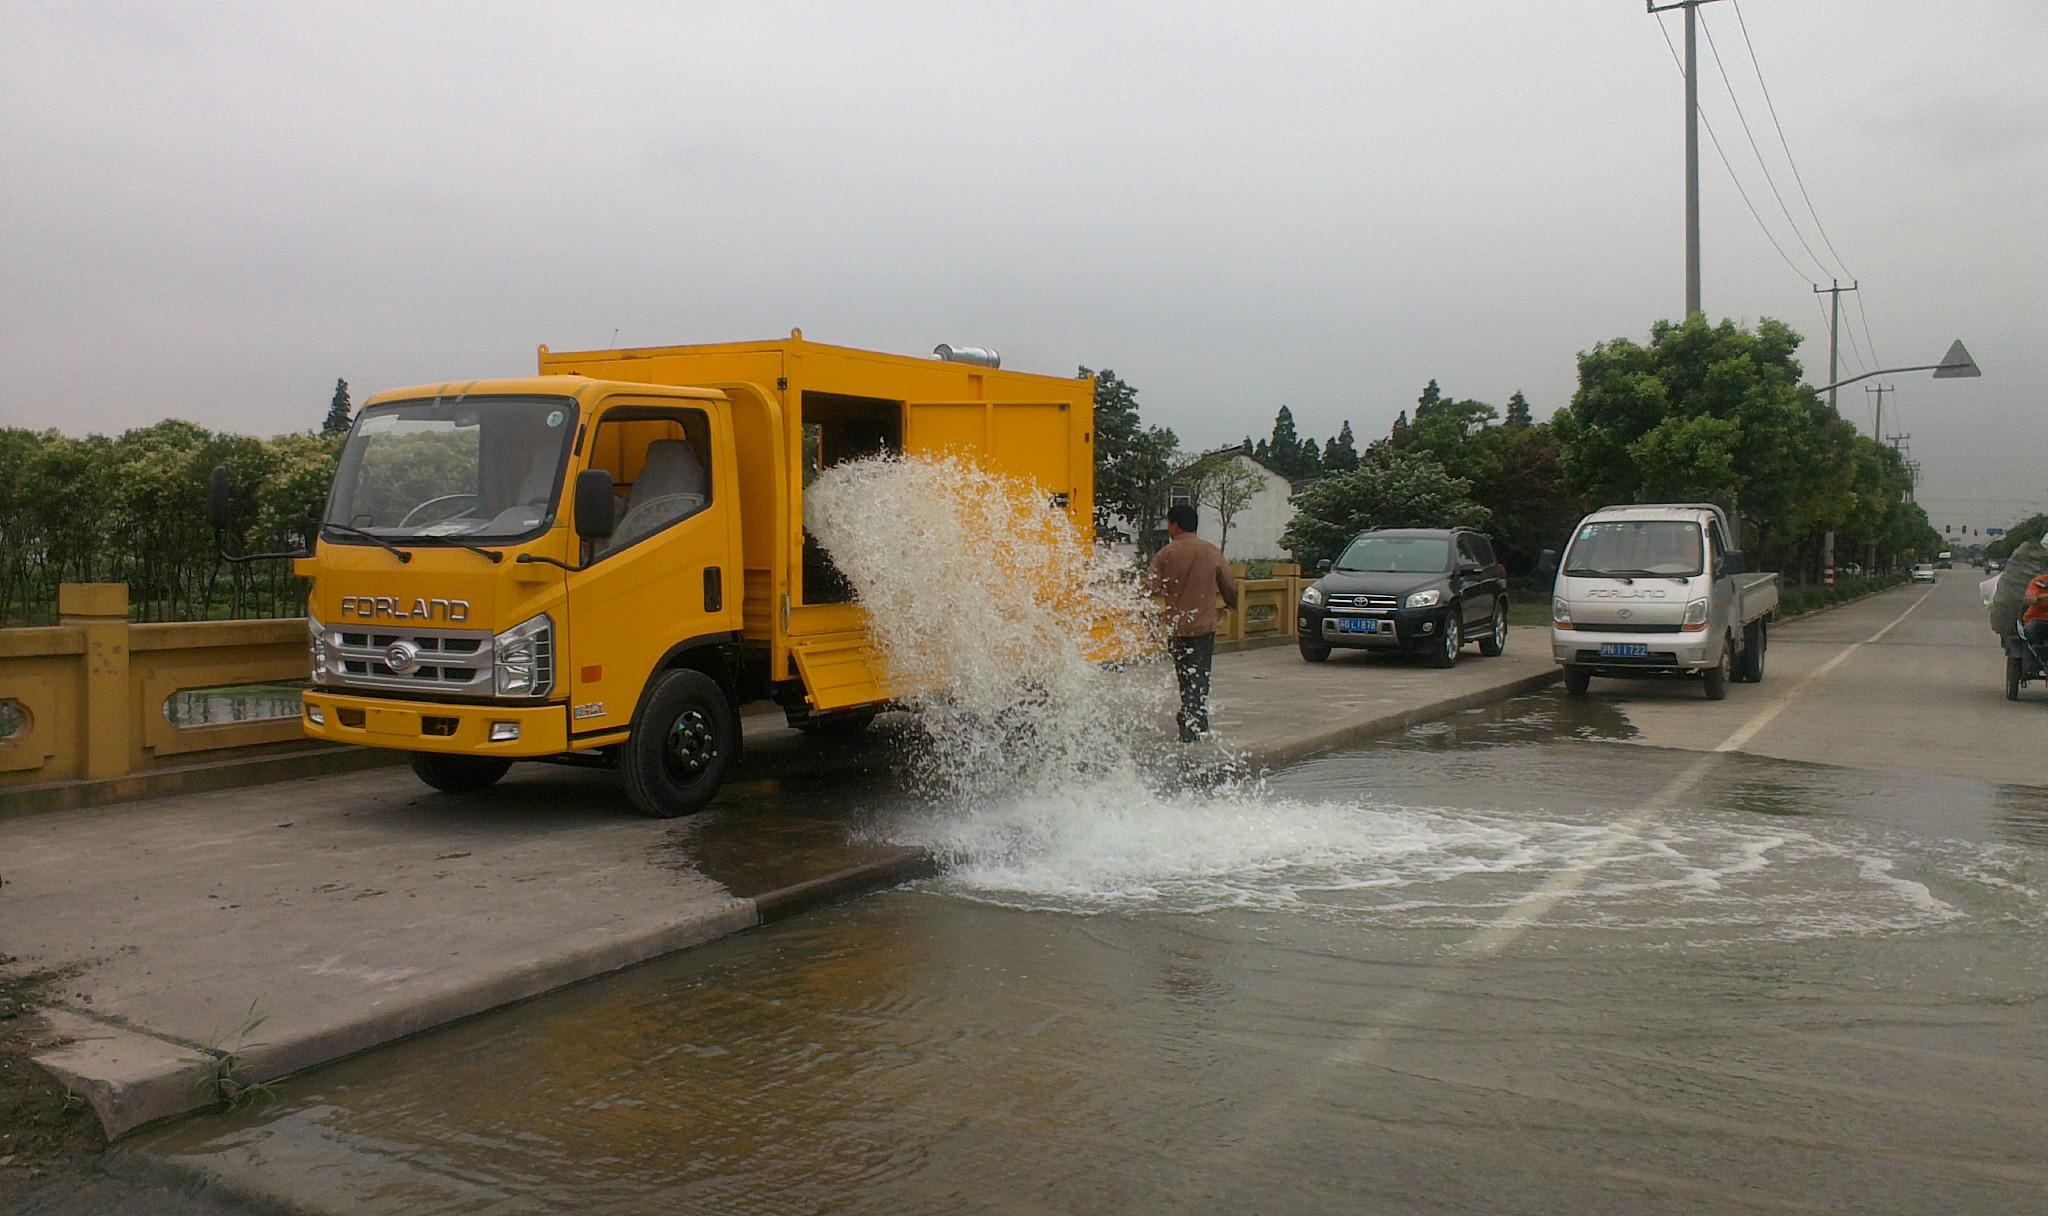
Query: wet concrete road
{"type": "Point", "coordinates": [1519, 960]}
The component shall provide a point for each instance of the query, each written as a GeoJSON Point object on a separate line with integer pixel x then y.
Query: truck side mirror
{"type": "Point", "coordinates": [1323, 566]}
{"type": "Point", "coordinates": [596, 508]}
{"type": "Point", "coordinates": [1733, 562]}
{"type": "Point", "coordinates": [217, 494]}
{"type": "Point", "coordinates": [1546, 564]}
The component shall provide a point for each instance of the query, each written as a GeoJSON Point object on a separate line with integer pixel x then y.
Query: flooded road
{"type": "Point", "coordinates": [1511, 961]}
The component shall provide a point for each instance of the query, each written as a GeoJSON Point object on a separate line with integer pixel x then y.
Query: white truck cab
{"type": "Point", "coordinates": [1658, 590]}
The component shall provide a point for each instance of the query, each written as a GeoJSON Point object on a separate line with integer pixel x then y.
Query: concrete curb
{"type": "Point", "coordinates": [1353, 732]}
{"type": "Point", "coordinates": [134, 1078]}
{"type": "Point", "coordinates": [324, 760]}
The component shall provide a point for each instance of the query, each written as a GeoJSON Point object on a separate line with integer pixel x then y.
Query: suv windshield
{"type": "Point", "coordinates": [480, 468]}
{"type": "Point", "coordinates": [1397, 555]}
{"type": "Point", "coordinates": [1647, 546]}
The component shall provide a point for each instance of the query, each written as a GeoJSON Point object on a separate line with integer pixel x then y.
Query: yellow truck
{"type": "Point", "coordinates": [602, 563]}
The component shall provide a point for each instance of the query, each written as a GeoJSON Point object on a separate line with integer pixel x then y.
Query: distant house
{"type": "Point", "coordinates": [1255, 527]}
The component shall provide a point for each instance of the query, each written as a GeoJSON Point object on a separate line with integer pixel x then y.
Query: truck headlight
{"type": "Point", "coordinates": [524, 658]}
{"type": "Point", "coordinates": [1560, 611]}
{"type": "Point", "coordinates": [1313, 597]}
{"type": "Point", "coordinates": [1695, 616]}
{"type": "Point", "coordinates": [1424, 599]}
{"type": "Point", "coordinates": [316, 646]}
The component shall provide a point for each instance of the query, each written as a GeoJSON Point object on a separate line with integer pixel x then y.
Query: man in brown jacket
{"type": "Point", "coordinates": [1189, 573]}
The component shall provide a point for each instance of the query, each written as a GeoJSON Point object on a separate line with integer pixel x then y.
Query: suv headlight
{"type": "Point", "coordinates": [1424, 599]}
{"type": "Point", "coordinates": [524, 658]}
{"type": "Point", "coordinates": [1313, 597]}
{"type": "Point", "coordinates": [1695, 616]}
{"type": "Point", "coordinates": [316, 646]}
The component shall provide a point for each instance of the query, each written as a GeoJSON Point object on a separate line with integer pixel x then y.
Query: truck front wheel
{"type": "Point", "coordinates": [1716, 677]}
{"type": "Point", "coordinates": [1577, 680]}
{"type": "Point", "coordinates": [457, 774]}
{"type": "Point", "coordinates": [682, 742]}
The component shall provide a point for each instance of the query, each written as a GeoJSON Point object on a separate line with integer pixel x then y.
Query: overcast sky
{"type": "Point", "coordinates": [211, 211]}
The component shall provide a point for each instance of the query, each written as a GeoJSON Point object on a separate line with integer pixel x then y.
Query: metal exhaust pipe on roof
{"type": "Point", "coordinates": [980, 356]}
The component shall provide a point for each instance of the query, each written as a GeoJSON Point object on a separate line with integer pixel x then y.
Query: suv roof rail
{"type": "Point", "coordinates": [1662, 506]}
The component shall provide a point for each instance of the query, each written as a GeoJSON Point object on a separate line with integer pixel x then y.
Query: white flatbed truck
{"type": "Point", "coordinates": [1657, 590]}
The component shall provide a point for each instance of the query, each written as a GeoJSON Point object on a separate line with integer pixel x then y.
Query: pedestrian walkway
{"type": "Point", "coordinates": [242, 935]}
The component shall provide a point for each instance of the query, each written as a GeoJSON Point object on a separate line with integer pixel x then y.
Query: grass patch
{"type": "Point", "coordinates": [1529, 612]}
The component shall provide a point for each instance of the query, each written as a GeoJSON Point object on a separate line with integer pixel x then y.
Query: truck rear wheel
{"type": "Point", "coordinates": [1755, 640]}
{"type": "Point", "coordinates": [457, 774]}
{"type": "Point", "coordinates": [682, 742]}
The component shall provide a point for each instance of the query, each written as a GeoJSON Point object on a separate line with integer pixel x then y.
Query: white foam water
{"type": "Point", "coordinates": [1050, 780]}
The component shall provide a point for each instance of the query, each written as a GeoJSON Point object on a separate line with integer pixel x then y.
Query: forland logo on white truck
{"type": "Point", "coordinates": [385, 607]}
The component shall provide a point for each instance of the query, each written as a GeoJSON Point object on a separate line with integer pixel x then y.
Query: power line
{"type": "Point", "coordinates": [1867, 339]}
{"type": "Point", "coordinates": [1726, 164]}
{"type": "Point", "coordinates": [1789, 159]}
{"type": "Point", "coordinates": [1761, 163]}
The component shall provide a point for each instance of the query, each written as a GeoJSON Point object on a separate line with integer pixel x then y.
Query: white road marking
{"type": "Point", "coordinates": [1740, 738]}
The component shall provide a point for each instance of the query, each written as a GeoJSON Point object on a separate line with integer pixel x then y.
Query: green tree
{"type": "Point", "coordinates": [2030, 528]}
{"type": "Point", "coordinates": [1133, 461]}
{"type": "Point", "coordinates": [339, 412]}
{"type": "Point", "coordinates": [1225, 483]}
{"type": "Point", "coordinates": [1518, 410]}
{"type": "Point", "coordinates": [1284, 452]}
{"type": "Point", "coordinates": [1390, 488]}
{"type": "Point", "coordinates": [1723, 402]}
{"type": "Point", "coordinates": [1340, 455]}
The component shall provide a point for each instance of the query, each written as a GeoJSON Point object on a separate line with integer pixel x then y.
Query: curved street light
{"type": "Point", "coordinates": [1955, 365]}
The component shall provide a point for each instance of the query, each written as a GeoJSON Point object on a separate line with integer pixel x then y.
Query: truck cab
{"type": "Point", "coordinates": [1658, 590]}
{"type": "Point", "coordinates": [600, 564]}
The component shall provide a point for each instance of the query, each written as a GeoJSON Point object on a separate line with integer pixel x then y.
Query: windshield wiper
{"type": "Point", "coordinates": [372, 537]}
{"type": "Point", "coordinates": [447, 542]}
{"type": "Point", "coordinates": [1582, 572]}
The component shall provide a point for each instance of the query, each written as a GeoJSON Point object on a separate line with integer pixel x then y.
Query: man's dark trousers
{"type": "Point", "coordinates": [1191, 659]}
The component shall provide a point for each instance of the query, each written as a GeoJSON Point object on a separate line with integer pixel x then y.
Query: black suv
{"type": "Point", "coordinates": [1417, 590]}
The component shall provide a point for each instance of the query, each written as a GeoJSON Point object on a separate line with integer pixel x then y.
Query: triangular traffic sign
{"type": "Point", "coordinates": [1956, 363]}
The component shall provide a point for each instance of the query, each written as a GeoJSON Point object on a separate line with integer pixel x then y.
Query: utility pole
{"type": "Point", "coordinates": [1877, 426]}
{"type": "Point", "coordinates": [1692, 146]}
{"type": "Point", "coordinates": [1834, 293]}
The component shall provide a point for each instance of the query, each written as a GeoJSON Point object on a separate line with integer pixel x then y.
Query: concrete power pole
{"type": "Point", "coordinates": [1692, 146]}
{"type": "Point", "coordinates": [1877, 426]}
{"type": "Point", "coordinates": [1834, 293]}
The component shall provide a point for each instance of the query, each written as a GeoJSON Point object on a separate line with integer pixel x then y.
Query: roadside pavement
{"type": "Point", "coordinates": [212, 942]}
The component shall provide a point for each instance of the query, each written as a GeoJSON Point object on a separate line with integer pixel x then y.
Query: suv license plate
{"type": "Point", "coordinates": [1354, 625]}
{"type": "Point", "coordinates": [1624, 650]}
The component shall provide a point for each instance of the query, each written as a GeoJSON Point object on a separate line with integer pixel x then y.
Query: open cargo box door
{"type": "Point", "coordinates": [1030, 440]}
{"type": "Point", "coordinates": [841, 671]}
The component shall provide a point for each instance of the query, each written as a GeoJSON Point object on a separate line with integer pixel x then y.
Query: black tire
{"type": "Point", "coordinates": [683, 740]}
{"type": "Point", "coordinates": [1577, 680]}
{"type": "Point", "coordinates": [1495, 643]}
{"type": "Point", "coordinates": [1717, 677]}
{"type": "Point", "coordinates": [1755, 641]}
{"type": "Point", "coordinates": [457, 774]}
{"type": "Point", "coordinates": [1314, 652]}
{"type": "Point", "coordinates": [1448, 642]}
{"type": "Point", "coordinates": [2015, 671]}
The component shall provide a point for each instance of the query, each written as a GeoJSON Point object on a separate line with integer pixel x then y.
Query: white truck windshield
{"type": "Point", "coordinates": [1662, 547]}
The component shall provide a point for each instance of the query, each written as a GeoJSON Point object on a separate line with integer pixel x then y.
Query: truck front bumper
{"type": "Point", "coordinates": [418, 726]}
{"type": "Point", "coordinates": [1662, 652]}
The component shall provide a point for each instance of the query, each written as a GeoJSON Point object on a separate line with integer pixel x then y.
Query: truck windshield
{"type": "Point", "coordinates": [1665, 547]}
{"type": "Point", "coordinates": [480, 468]}
{"type": "Point", "coordinates": [1397, 555]}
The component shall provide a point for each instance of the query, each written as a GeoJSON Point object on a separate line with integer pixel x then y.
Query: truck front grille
{"type": "Point", "coordinates": [441, 662]}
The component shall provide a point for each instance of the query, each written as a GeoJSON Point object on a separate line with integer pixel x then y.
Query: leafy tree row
{"type": "Point", "coordinates": [132, 509]}
{"type": "Point", "coordinates": [1699, 412]}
